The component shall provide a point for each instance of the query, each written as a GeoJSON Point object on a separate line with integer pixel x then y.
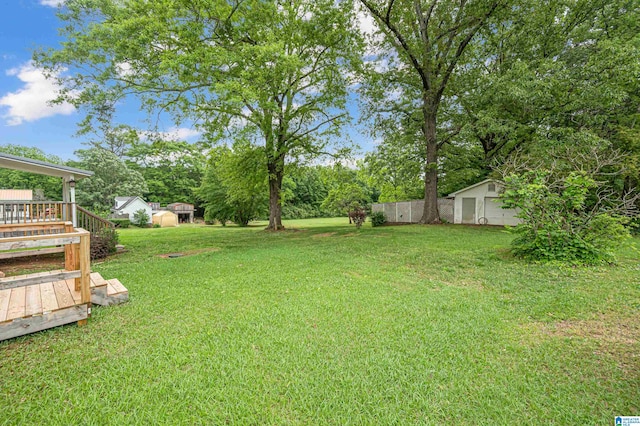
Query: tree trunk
{"type": "Point", "coordinates": [430, 214]}
{"type": "Point", "coordinates": [276, 172]}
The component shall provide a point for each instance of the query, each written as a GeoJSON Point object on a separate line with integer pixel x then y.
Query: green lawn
{"type": "Point", "coordinates": [324, 324]}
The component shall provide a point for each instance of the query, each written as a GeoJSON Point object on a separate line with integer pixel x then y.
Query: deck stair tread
{"type": "Point", "coordinates": [42, 299]}
{"type": "Point", "coordinates": [97, 280]}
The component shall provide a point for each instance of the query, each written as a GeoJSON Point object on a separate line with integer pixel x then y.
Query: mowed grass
{"type": "Point", "coordinates": [325, 324]}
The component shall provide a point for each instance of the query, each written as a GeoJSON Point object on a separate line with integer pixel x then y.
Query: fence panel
{"type": "Point", "coordinates": [411, 211]}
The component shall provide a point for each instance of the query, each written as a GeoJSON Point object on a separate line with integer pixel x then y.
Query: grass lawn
{"type": "Point", "coordinates": [324, 324]}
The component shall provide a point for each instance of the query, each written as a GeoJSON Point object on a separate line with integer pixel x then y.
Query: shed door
{"type": "Point", "coordinates": [468, 210]}
{"type": "Point", "coordinates": [496, 215]}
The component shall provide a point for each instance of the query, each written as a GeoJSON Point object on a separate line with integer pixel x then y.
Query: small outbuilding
{"type": "Point", "coordinates": [185, 211]}
{"type": "Point", "coordinates": [165, 219]}
{"type": "Point", "coordinates": [479, 204]}
{"type": "Point", "coordinates": [126, 207]}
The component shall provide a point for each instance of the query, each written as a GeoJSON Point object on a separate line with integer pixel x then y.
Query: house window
{"type": "Point", "coordinates": [492, 187]}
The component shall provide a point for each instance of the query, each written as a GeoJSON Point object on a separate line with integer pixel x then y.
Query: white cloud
{"type": "Point", "coordinates": [31, 102]}
{"type": "Point", "coordinates": [174, 134]}
{"type": "Point", "coordinates": [366, 23]}
{"type": "Point", "coordinates": [52, 3]}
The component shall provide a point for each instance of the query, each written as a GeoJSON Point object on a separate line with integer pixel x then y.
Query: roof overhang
{"type": "Point", "coordinates": [453, 194]}
{"type": "Point", "coordinates": [41, 167]}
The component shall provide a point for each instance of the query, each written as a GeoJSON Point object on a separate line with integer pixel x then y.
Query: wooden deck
{"type": "Point", "coordinates": [34, 302]}
{"type": "Point", "coordinates": [37, 307]}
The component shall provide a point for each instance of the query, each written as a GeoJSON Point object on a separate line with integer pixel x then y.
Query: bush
{"type": "Point", "coordinates": [121, 223]}
{"type": "Point", "coordinates": [358, 216]}
{"type": "Point", "coordinates": [558, 224]}
{"type": "Point", "coordinates": [378, 219]}
{"type": "Point", "coordinates": [301, 211]}
{"type": "Point", "coordinates": [157, 225]}
{"type": "Point", "coordinates": [103, 243]}
{"type": "Point", "coordinates": [141, 218]}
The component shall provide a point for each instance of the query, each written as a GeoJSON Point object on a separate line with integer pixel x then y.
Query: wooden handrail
{"type": "Point", "coordinates": [14, 212]}
{"type": "Point", "coordinates": [92, 222]}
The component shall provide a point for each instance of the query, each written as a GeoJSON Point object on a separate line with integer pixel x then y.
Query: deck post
{"type": "Point", "coordinates": [85, 271]}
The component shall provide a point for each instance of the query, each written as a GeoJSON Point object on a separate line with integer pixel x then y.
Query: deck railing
{"type": "Point", "coordinates": [92, 222]}
{"type": "Point", "coordinates": [16, 212]}
{"type": "Point", "coordinates": [33, 212]}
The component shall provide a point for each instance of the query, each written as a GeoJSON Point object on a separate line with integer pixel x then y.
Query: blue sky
{"type": "Point", "coordinates": [25, 116]}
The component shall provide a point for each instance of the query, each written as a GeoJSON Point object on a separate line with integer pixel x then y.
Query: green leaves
{"type": "Point", "coordinates": [560, 219]}
{"type": "Point", "coordinates": [234, 185]}
{"type": "Point", "coordinates": [272, 73]}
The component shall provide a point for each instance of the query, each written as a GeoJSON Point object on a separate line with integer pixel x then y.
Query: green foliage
{"type": "Point", "coordinates": [172, 170]}
{"type": "Point", "coordinates": [268, 71]}
{"type": "Point", "coordinates": [347, 190]}
{"type": "Point", "coordinates": [156, 225]}
{"type": "Point", "coordinates": [303, 191]}
{"type": "Point", "coordinates": [378, 219]}
{"type": "Point", "coordinates": [346, 197]}
{"type": "Point", "coordinates": [44, 187]}
{"type": "Point", "coordinates": [558, 222]}
{"type": "Point", "coordinates": [234, 185]}
{"type": "Point", "coordinates": [103, 243]}
{"type": "Point", "coordinates": [112, 178]}
{"type": "Point", "coordinates": [121, 223]}
{"type": "Point", "coordinates": [141, 218]}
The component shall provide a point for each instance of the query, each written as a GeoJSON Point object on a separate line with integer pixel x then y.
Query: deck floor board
{"type": "Point", "coordinates": [48, 295]}
{"type": "Point", "coordinates": [17, 303]}
{"type": "Point", "coordinates": [33, 300]}
{"type": "Point", "coordinates": [75, 294]}
{"type": "Point", "coordinates": [63, 295]}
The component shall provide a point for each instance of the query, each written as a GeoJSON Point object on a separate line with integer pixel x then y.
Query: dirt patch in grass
{"type": "Point", "coordinates": [32, 264]}
{"type": "Point", "coordinates": [189, 252]}
{"type": "Point", "coordinates": [324, 235]}
{"type": "Point", "coordinates": [466, 283]}
{"type": "Point", "coordinates": [616, 336]}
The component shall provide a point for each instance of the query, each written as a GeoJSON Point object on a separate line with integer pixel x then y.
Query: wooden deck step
{"type": "Point", "coordinates": [39, 306]}
{"type": "Point", "coordinates": [115, 287]}
{"type": "Point", "coordinates": [97, 280]}
{"type": "Point", "coordinates": [107, 292]}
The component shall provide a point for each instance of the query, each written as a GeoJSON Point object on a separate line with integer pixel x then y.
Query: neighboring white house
{"type": "Point", "coordinates": [127, 206]}
{"type": "Point", "coordinates": [479, 204]}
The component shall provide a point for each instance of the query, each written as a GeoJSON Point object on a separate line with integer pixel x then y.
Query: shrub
{"type": "Point", "coordinates": [103, 243]}
{"type": "Point", "coordinates": [121, 223]}
{"type": "Point", "coordinates": [141, 218]}
{"type": "Point", "coordinates": [157, 225]}
{"type": "Point", "coordinates": [378, 219]}
{"type": "Point", "coordinates": [558, 224]}
{"type": "Point", "coordinates": [358, 216]}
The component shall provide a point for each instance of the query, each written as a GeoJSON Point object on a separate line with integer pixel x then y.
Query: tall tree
{"type": "Point", "coordinates": [269, 71]}
{"type": "Point", "coordinates": [429, 41]}
{"type": "Point", "coordinates": [112, 178]}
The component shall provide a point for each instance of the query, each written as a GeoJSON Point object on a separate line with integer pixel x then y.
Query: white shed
{"type": "Point", "coordinates": [479, 204]}
{"type": "Point", "coordinates": [127, 206]}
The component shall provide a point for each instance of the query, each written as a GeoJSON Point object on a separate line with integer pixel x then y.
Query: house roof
{"type": "Point", "coordinates": [453, 194]}
{"type": "Point", "coordinates": [128, 201]}
{"type": "Point", "coordinates": [16, 194]}
{"type": "Point", "coordinates": [30, 165]}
